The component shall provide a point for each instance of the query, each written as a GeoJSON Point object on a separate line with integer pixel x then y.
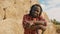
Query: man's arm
{"type": "Point", "coordinates": [42, 24]}
{"type": "Point", "coordinates": [27, 24]}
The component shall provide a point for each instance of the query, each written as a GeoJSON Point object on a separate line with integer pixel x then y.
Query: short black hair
{"type": "Point", "coordinates": [37, 5]}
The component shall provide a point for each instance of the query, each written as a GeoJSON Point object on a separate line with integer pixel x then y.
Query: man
{"type": "Point", "coordinates": [33, 21]}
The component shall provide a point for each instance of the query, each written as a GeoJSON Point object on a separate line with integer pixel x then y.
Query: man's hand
{"type": "Point", "coordinates": [36, 25]}
{"type": "Point", "coordinates": [28, 24]}
{"type": "Point", "coordinates": [39, 23]}
{"type": "Point", "coordinates": [42, 27]}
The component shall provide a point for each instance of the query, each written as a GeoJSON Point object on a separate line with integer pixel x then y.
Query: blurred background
{"type": "Point", "coordinates": [12, 12]}
{"type": "Point", "coordinates": [52, 8]}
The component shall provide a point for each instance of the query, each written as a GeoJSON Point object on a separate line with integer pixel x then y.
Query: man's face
{"type": "Point", "coordinates": [36, 11]}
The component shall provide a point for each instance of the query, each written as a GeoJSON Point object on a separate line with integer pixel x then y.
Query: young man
{"type": "Point", "coordinates": [33, 21]}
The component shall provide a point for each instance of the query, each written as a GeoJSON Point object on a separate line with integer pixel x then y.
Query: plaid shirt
{"type": "Point", "coordinates": [29, 18]}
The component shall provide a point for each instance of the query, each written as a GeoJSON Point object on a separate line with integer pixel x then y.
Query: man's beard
{"type": "Point", "coordinates": [35, 15]}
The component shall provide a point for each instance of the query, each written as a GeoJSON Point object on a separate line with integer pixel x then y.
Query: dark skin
{"type": "Point", "coordinates": [35, 13]}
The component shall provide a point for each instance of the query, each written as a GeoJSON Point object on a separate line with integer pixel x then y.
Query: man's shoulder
{"type": "Point", "coordinates": [26, 15]}
{"type": "Point", "coordinates": [40, 16]}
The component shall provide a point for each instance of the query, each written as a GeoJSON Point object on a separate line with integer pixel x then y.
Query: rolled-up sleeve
{"type": "Point", "coordinates": [45, 22]}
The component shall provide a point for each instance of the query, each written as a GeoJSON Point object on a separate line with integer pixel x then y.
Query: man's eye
{"type": "Point", "coordinates": [37, 10]}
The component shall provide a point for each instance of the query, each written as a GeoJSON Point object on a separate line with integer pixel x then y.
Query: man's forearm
{"type": "Point", "coordinates": [43, 27]}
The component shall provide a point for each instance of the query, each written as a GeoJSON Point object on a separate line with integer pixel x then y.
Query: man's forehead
{"type": "Point", "coordinates": [36, 7]}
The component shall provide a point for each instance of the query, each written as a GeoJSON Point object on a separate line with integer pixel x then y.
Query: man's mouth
{"type": "Point", "coordinates": [36, 15]}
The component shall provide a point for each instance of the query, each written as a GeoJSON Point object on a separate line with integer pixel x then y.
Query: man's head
{"type": "Point", "coordinates": [36, 10]}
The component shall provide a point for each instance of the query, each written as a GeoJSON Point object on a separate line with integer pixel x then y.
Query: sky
{"type": "Point", "coordinates": [52, 8]}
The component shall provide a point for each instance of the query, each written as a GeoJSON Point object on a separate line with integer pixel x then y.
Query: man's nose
{"type": "Point", "coordinates": [37, 12]}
